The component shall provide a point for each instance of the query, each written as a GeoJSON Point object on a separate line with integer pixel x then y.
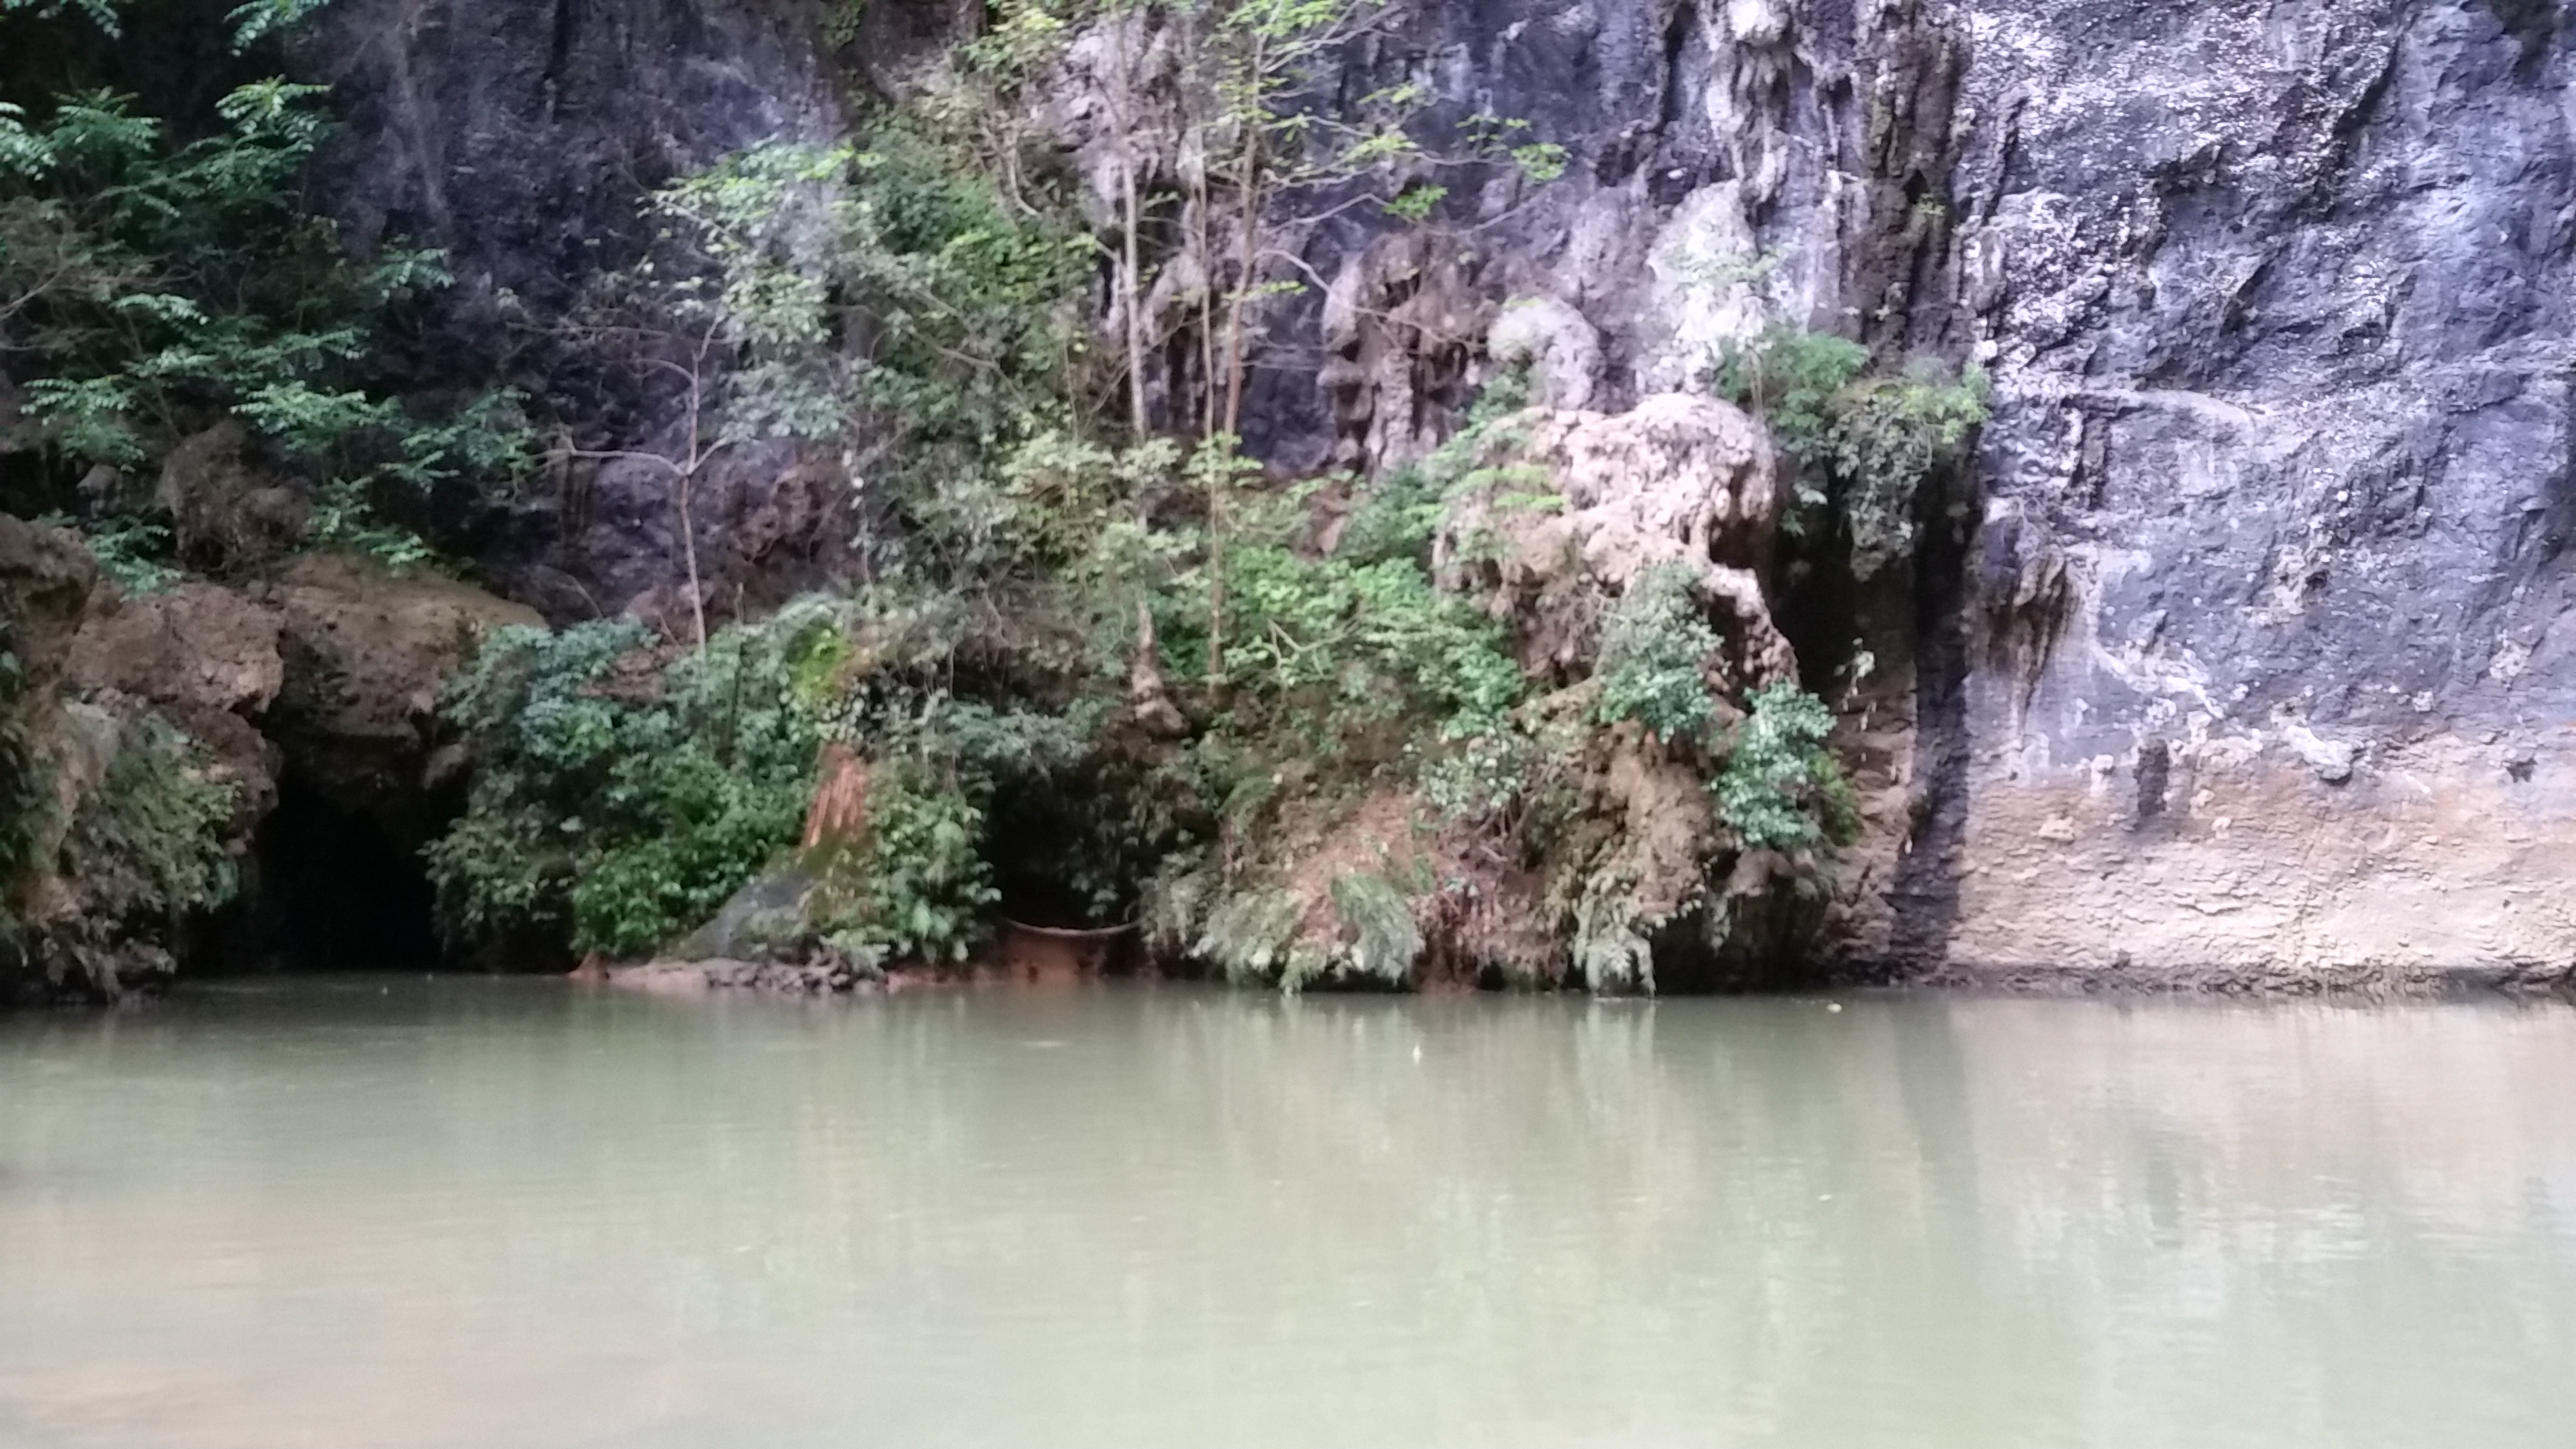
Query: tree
{"type": "Point", "coordinates": [149, 285]}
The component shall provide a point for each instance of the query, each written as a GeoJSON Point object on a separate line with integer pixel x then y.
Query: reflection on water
{"type": "Point", "coordinates": [490, 1214]}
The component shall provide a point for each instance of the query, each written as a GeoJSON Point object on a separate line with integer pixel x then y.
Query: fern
{"type": "Point", "coordinates": [1385, 938]}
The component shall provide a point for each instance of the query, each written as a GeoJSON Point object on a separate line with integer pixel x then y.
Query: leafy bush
{"type": "Point", "coordinates": [1780, 788]}
{"type": "Point", "coordinates": [1794, 378]}
{"type": "Point", "coordinates": [1396, 517]}
{"type": "Point", "coordinates": [1654, 657]}
{"type": "Point", "coordinates": [626, 790]}
{"type": "Point", "coordinates": [1336, 647]}
{"type": "Point", "coordinates": [151, 281]}
{"type": "Point", "coordinates": [1876, 440]}
{"type": "Point", "coordinates": [1385, 938]}
{"type": "Point", "coordinates": [1249, 935]}
{"type": "Point", "coordinates": [131, 554]}
{"type": "Point", "coordinates": [892, 282]}
{"type": "Point", "coordinates": [619, 804]}
{"type": "Point", "coordinates": [1889, 436]}
{"type": "Point", "coordinates": [926, 885]}
{"type": "Point", "coordinates": [1476, 776]}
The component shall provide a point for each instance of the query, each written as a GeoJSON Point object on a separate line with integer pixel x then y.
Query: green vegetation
{"type": "Point", "coordinates": [1871, 442]}
{"type": "Point", "coordinates": [619, 803]}
{"type": "Point", "coordinates": [926, 880]}
{"type": "Point", "coordinates": [1780, 789]}
{"type": "Point", "coordinates": [917, 301]}
{"type": "Point", "coordinates": [1386, 939]}
{"type": "Point", "coordinates": [1103, 664]}
{"type": "Point", "coordinates": [150, 283]}
{"type": "Point", "coordinates": [1654, 657]}
{"type": "Point", "coordinates": [131, 553]}
{"type": "Point", "coordinates": [146, 846]}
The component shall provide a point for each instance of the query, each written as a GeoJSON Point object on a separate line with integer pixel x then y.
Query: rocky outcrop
{"type": "Point", "coordinates": [329, 669]}
{"type": "Point", "coordinates": [46, 578]}
{"type": "Point", "coordinates": [2258, 671]}
{"type": "Point", "coordinates": [364, 653]}
{"type": "Point", "coordinates": [2277, 302]}
{"type": "Point", "coordinates": [2243, 659]}
{"type": "Point", "coordinates": [225, 513]}
{"type": "Point", "coordinates": [520, 138]}
{"type": "Point", "coordinates": [1675, 482]}
{"type": "Point", "coordinates": [206, 658]}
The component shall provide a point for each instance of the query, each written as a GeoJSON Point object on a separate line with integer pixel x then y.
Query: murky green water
{"type": "Point", "coordinates": [495, 1214]}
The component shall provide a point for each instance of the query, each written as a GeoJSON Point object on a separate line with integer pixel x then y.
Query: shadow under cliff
{"type": "Point", "coordinates": [323, 889]}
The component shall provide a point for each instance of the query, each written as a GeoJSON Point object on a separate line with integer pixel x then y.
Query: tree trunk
{"type": "Point", "coordinates": [689, 551]}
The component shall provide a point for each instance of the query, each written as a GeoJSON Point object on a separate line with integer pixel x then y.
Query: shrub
{"type": "Point", "coordinates": [926, 892]}
{"type": "Point", "coordinates": [1780, 789]}
{"type": "Point", "coordinates": [620, 804]}
{"type": "Point", "coordinates": [1396, 517]}
{"type": "Point", "coordinates": [1794, 378]}
{"type": "Point", "coordinates": [1888, 437]}
{"type": "Point", "coordinates": [150, 282]}
{"type": "Point", "coordinates": [1385, 938]}
{"type": "Point", "coordinates": [131, 554]}
{"type": "Point", "coordinates": [1876, 440]}
{"type": "Point", "coordinates": [1331, 648]}
{"type": "Point", "coordinates": [1654, 655]}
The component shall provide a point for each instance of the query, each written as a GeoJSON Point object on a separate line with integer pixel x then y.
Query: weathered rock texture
{"type": "Point", "coordinates": [2258, 669]}
{"type": "Point", "coordinates": [520, 138]}
{"type": "Point", "coordinates": [2280, 683]}
{"type": "Point", "coordinates": [2245, 659]}
{"type": "Point", "coordinates": [328, 669]}
{"type": "Point", "coordinates": [1675, 482]}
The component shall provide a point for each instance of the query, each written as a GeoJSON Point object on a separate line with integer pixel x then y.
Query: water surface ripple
{"type": "Point", "coordinates": [471, 1214]}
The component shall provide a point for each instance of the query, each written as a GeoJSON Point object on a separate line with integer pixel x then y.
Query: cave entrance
{"type": "Point", "coordinates": [328, 889]}
{"type": "Point", "coordinates": [1047, 860]}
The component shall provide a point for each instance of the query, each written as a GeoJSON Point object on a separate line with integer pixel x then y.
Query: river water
{"type": "Point", "coordinates": [490, 1214]}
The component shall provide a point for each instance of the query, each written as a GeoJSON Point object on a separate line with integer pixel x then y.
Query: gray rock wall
{"type": "Point", "coordinates": [2281, 676]}
{"type": "Point", "coordinates": [2260, 667]}
{"type": "Point", "coordinates": [2244, 658]}
{"type": "Point", "coordinates": [519, 136]}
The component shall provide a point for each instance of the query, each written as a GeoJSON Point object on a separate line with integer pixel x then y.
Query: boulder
{"type": "Point", "coordinates": [365, 651]}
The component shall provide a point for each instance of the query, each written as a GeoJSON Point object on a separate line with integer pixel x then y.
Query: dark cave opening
{"type": "Point", "coordinates": [327, 889]}
{"type": "Point", "coordinates": [1050, 862]}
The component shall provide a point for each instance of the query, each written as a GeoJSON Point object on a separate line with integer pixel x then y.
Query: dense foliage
{"type": "Point", "coordinates": [1780, 789]}
{"type": "Point", "coordinates": [157, 274]}
{"type": "Point", "coordinates": [1099, 655]}
{"type": "Point", "coordinates": [147, 846]}
{"type": "Point", "coordinates": [1654, 657]}
{"type": "Point", "coordinates": [1872, 441]}
{"type": "Point", "coordinates": [619, 803]}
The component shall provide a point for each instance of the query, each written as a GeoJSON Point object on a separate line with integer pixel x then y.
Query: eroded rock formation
{"type": "Point", "coordinates": [2242, 659]}
{"type": "Point", "coordinates": [329, 668]}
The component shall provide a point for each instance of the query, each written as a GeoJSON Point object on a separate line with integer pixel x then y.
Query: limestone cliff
{"type": "Point", "coordinates": [2242, 658]}
{"type": "Point", "coordinates": [318, 678]}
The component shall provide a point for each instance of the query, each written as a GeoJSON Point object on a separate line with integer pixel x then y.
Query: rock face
{"type": "Point", "coordinates": [1675, 482]}
{"type": "Point", "coordinates": [2277, 298]}
{"type": "Point", "coordinates": [327, 671]}
{"type": "Point", "coordinates": [364, 654]}
{"type": "Point", "coordinates": [2259, 666]}
{"type": "Point", "coordinates": [2245, 658]}
{"type": "Point", "coordinates": [519, 138]}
